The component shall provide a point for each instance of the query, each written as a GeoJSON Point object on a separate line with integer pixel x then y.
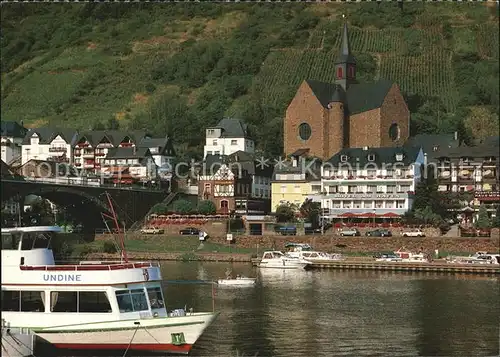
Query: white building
{"type": "Point", "coordinates": [229, 136]}
{"type": "Point", "coordinates": [48, 144]}
{"type": "Point", "coordinates": [11, 142]}
{"type": "Point", "coordinates": [163, 154]}
{"type": "Point", "coordinates": [370, 182]}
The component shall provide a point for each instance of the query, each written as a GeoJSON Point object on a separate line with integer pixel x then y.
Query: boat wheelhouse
{"type": "Point", "coordinates": [304, 252]}
{"type": "Point", "coordinates": [91, 305]}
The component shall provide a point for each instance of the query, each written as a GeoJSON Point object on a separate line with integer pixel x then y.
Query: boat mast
{"type": "Point", "coordinates": [118, 228]}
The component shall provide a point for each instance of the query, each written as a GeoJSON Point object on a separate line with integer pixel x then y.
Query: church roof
{"type": "Point", "coordinates": [360, 97]}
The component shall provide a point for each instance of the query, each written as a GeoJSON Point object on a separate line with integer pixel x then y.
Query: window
{"type": "Point", "coordinates": [132, 300]}
{"type": "Point", "coordinates": [371, 157]}
{"type": "Point", "coordinates": [368, 204]}
{"type": "Point", "coordinates": [10, 241]}
{"type": "Point", "coordinates": [399, 157]}
{"type": "Point", "coordinates": [394, 132]}
{"type": "Point", "coordinates": [340, 72]}
{"type": "Point", "coordinates": [64, 301]}
{"type": "Point", "coordinates": [343, 158]}
{"type": "Point", "coordinates": [391, 189]}
{"type": "Point", "coordinates": [389, 204]}
{"type": "Point", "coordinates": [216, 152]}
{"type": "Point", "coordinates": [283, 189]}
{"type": "Point", "coordinates": [352, 189]}
{"type": "Point", "coordinates": [357, 204]}
{"type": "Point", "coordinates": [156, 298]}
{"type": "Point", "coordinates": [400, 204]}
{"type": "Point", "coordinates": [11, 300]}
{"type": "Point", "coordinates": [234, 142]}
{"type": "Point", "coordinates": [93, 301]}
{"type": "Point", "coordinates": [210, 131]}
{"type": "Point", "coordinates": [207, 187]}
{"type": "Point", "coordinates": [214, 142]}
{"type": "Point", "coordinates": [297, 188]}
{"type": "Point", "coordinates": [305, 131]}
{"type": "Point", "coordinates": [351, 71]}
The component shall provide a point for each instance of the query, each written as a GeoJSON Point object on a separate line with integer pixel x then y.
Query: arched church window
{"type": "Point", "coordinates": [340, 72]}
{"type": "Point", "coordinates": [394, 132]}
{"type": "Point", "coordinates": [305, 131]}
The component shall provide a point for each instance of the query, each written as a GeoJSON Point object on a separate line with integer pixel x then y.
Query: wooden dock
{"type": "Point", "coordinates": [437, 267]}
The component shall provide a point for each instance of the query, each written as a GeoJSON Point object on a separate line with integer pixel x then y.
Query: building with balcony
{"type": "Point", "coordinates": [92, 147]}
{"type": "Point", "coordinates": [48, 144]}
{"type": "Point", "coordinates": [236, 183]}
{"type": "Point", "coordinates": [370, 182]}
{"type": "Point", "coordinates": [464, 168]}
{"type": "Point", "coordinates": [227, 137]}
{"type": "Point", "coordinates": [295, 180]}
{"type": "Point", "coordinates": [12, 135]}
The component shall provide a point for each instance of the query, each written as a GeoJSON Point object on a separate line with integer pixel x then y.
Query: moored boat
{"type": "Point", "coordinates": [90, 306]}
{"type": "Point", "coordinates": [278, 260]}
{"type": "Point", "coordinates": [304, 252]}
{"type": "Point", "coordinates": [238, 281]}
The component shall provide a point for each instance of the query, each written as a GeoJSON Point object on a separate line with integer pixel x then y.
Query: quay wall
{"type": "Point", "coordinates": [348, 244]}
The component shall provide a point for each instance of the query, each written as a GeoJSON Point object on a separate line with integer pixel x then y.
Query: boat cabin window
{"type": "Point", "coordinates": [27, 301]}
{"type": "Point", "coordinates": [132, 300]}
{"type": "Point", "coordinates": [80, 301]}
{"type": "Point", "coordinates": [268, 256]}
{"type": "Point", "coordinates": [10, 241]}
{"type": "Point", "coordinates": [35, 240]}
{"type": "Point", "coordinates": [156, 298]}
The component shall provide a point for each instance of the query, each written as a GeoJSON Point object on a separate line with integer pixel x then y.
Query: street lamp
{"type": "Point", "coordinates": [374, 214]}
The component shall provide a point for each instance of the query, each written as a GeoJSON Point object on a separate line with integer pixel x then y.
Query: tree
{"type": "Point", "coordinates": [286, 212]}
{"type": "Point", "coordinates": [483, 221]}
{"type": "Point", "coordinates": [482, 122]}
{"type": "Point", "coordinates": [159, 208]}
{"type": "Point", "coordinates": [206, 207]}
{"type": "Point", "coordinates": [182, 206]}
{"type": "Point", "coordinates": [310, 211]}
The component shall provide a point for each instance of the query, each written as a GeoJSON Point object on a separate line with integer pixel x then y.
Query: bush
{"type": "Point", "coordinates": [182, 207]}
{"type": "Point", "coordinates": [109, 247]}
{"type": "Point", "coordinates": [206, 207]}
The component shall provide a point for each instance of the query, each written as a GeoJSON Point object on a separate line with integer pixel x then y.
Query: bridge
{"type": "Point", "coordinates": [86, 202]}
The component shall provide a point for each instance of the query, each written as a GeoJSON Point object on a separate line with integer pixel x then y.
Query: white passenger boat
{"type": "Point", "coordinates": [276, 259]}
{"type": "Point", "coordinates": [305, 252]}
{"type": "Point", "coordinates": [98, 306]}
{"type": "Point", "coordinates": [477, 258]}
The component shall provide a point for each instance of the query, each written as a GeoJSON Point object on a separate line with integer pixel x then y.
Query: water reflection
{"type": "Point", "coordinates": [336, 313]}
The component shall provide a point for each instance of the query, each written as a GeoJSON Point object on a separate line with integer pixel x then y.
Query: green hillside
{"type": "Point", "coordinates": [177, 68]}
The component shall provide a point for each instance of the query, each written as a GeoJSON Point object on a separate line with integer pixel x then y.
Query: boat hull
{"type": "Point", "coordinates": [283, 265]}
{"type": "Point", "coordinates": [236, 282]}
{"type": "Point", "coordinates": [154, 338]}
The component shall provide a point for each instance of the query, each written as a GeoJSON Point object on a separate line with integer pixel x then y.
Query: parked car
{"type": "Point", "coordinates": [414, 233]}
{"type": "Point", "coordinates": [189, 231]}
{"type": "Point", "coordinates": [152, 230]}
{"type": "Point", "coordinates": [286, 230]}
{"type": "Point", "coordinates": [379, 233]}
{"type": "Point", "coordinates": [349, 232]}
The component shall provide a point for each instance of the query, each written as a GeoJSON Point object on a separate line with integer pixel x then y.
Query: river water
{"type": "Point", "coordinates": [342, 313]}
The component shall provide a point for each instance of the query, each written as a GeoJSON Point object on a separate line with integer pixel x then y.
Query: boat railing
{"type": "Point", "coordinates": [83, 267]}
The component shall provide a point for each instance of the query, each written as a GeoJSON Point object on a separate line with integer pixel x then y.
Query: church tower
{"type": "Point", "coordinates": [345, 63]}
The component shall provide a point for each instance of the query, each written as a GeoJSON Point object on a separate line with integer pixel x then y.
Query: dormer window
{"type": "Point", "coordinates": [343, 158]}
{"type": "Point", "coordinates": [214, 142]}
{"type": "Point", "coordinates": [399, 157]}
{"type": "Point", "coordinates": [371, 157]}
{"type": "Point", "coordinates": [435, 148]}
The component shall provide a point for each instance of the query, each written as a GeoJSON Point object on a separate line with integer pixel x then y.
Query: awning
{"type": "Point", "coordinates": [390, 214]}
{"type": "Point", "coordinates": [348, 214]}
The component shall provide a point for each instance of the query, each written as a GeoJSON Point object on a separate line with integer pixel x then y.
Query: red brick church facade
{"type": "Point", "coordinates": [323, 118]}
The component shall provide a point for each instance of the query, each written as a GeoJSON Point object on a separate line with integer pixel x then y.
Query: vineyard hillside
{"type": "Point", "coordinates": [177, 68]}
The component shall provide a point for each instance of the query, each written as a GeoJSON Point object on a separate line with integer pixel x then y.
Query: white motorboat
{"type": "Point", "coordinates": [305, 252]}
{"type": "Point", "coordinates": [477, 258]}
{"type": "Point", "coordinates": [278, 260]}
{"type": "Point", "coordinates": [409, 257]}
{"type": "Point", "coordinates": [238, 281]}
{"type": "Point", "coordinates": [90, 306]}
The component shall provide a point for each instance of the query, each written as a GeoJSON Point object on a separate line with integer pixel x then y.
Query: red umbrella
{"type": "Point", "coordinates": [368, 215]}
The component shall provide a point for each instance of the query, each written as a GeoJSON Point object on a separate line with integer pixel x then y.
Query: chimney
{"type": "Point", "coordinates": [294, 161]}
{"type": "Point", "coordinates": [365, 148]}
{"type": "Point", "coordinates": [134, 149]}
{"type": "Point", "coordinates": [455, 135]}
{"type": "Point", "coordinates": [425, 159]}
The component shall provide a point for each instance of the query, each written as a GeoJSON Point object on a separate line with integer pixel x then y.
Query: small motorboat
{"type": "Point", "coordinates": [237, 281]}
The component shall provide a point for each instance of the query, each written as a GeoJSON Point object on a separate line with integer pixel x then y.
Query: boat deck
{"type": "Point", "coordinates": [81, 267]}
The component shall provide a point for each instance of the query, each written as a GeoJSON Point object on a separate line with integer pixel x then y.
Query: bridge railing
{"type": "Point", "coordinates": [85, 182]}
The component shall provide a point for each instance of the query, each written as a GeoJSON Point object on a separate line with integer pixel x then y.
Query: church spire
{"type": "Point", "coordinates": [345, 63]}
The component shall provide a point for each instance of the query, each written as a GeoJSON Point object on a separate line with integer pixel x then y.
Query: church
{"type": "Point", "coordinates": [323, 118]}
